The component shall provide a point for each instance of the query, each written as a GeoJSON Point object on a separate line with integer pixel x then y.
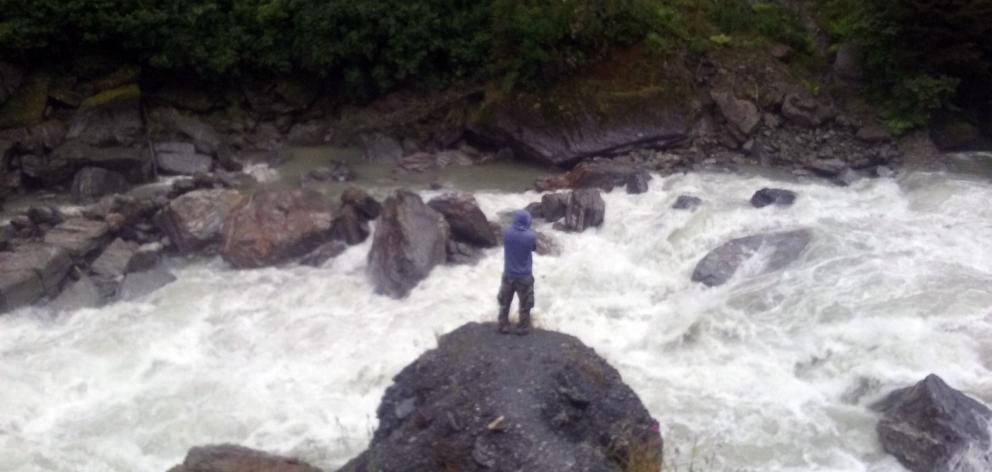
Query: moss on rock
{"type": "Point", "coordinates": [27, 106]}
{"type": "Point", "coordinates": [118, 95]}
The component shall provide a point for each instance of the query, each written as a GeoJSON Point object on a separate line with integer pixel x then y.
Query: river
{"type": "Point", "coordinates": [771, 372]}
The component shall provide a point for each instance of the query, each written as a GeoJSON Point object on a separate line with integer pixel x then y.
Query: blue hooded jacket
{"type": "Point", "coordinates": [518, 244]}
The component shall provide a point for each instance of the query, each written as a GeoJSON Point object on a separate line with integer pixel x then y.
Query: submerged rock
{"type": "Point", "coordinates": [773, 196]}
{"type": "Point", "coordinates": [485, 401]}
{"type": "Point", "coordinates": [110, 118]}
{"type": "Point", "coordinates": [687, 202]}
{"type": "Point", "coordinates": [468, 223]}
{"type": "Point", "coordinates": [930, 427]}
{"type": "Point", "coordinates": [553, 206]}
{"type": "Point", "coordinates": [324, 253]}
{"type": "Point", "coordinates": [410, 240]}
{"type": "Point", "coordinates": [350, 226]}
{"type": "Point", "coordinates": [139, 284]}
{"type": "Point", "coordinates": [80, 294]}
{"type": "Point", "coordinates": [722, 263]}
{"type": "Point", "coordinates": [231, 458]}
{"type": "Point", "coordinates": [272, 227]}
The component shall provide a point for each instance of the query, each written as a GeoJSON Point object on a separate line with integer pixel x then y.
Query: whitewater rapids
{"type": "Point", "coordinates": [772, 372]}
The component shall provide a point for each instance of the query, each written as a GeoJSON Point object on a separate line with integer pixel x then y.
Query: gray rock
{"type": "Point", "coordinates": [585, 209]}
{"type": "Point", "coordinates": [553, 206]}
{"type": "Point", "coordinates": [92, 183]}
{"type": "Point", "coordinates": [181, 158]}
{"type": "Point", "coordinates": [109, 269]}
{"type": "Point", "coordinates": [139, 284]}
{"type": "Point", "coordinates": [874, 133]}
{"type": "Point", "coordinates": [175, 147]}
{"type": "Point", "coordinates": [324, 253]}
{"type": "Point", "coordinates": [547, 245]}
{"type": "Point", "coordinates": [832, 167]}
{"type": "Point", "coordinates": [687, 202]}
{"type": "Point", "coordinates": [349, 226]}
{"type": "Point", "coordinates": [467, 222]}
{"type": "Point", "coordinates": [194, 221]}
{"type": "Point", "coordinates": [111, 118]}
{"type": "Point", "coordinates": [146, 258]}
{"type": "Point", "coordinates": [80, 294]}
{"type": "Point", "coordinates": [44, 215]}
{"type": "Point", "coordinates": [930, 427]}
{"type": "Point", "coordinates": [336, 172]}
{"type": "Point", "coordinates": [79, 236]}
{"type": "Point", "coordinates": [230, 458]}
{"type": "Point", "coordinates": [722, 263]}
{"type": "Point", "coordinates": [773, 196]}
{"type": "Point", "coordinates": [638, 183]}
{"type": "Point", "coordinates": [381, 148]}
{"type": "Point", "coordinates": [847, 64]}
{"type": "Point", "coordinates": [463, 254]}
{"type": "Point", "coordinates": [30, 271]}
{"type": "Point", "coordinates": [801, 110]}
{"type": "Point", "coordinates": [743, 114]}
{"type": "Point", "coordinates": [410, 240]}
{"type": "Point", "coordinates": [63, 163]}
{"type": "Point", "coordinates": [368, 208]}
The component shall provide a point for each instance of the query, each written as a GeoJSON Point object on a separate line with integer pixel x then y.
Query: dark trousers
{"type": "Point", "coordinates": [524, 288]}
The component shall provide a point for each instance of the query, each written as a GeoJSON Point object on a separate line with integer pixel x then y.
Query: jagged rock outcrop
{"type": "Point", "coordinates": [272, 227]}
{"type": "Point", "coordinates": [467, 221]}
{"type": "Point", "coordinates": [930, 427]}
{"type": "Point", "coordinates": [585, 209]}
{"type": "Point", "coordinates": [231, 458]}
{"type": "Point", "coordinates": [194, 221]}
{"type": "Point", "coordinates": [722, 263]}
{"type": "Point", "coordinates": [410, 240]}
{"type": "Point", "coordinates": [482, 401]}
{"type": "Point", "coordinates": [79, 236]}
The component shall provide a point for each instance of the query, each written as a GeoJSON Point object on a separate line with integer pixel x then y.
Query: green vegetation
{"type": "Point", "coordinates": [920, 56]}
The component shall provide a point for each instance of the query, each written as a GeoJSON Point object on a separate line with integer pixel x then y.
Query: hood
{"type": "Point", "coordinates": [521, 219]}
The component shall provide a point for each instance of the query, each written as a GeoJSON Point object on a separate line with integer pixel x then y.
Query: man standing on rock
{"type": "Point", "coordinates": [518, 244]}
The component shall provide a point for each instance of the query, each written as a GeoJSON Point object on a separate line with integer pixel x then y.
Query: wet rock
{"type": "Point", "coordinates": [79, 236]}
{"type": "Point", "coordinates": [600, 174]}
{"type": "Point", "coordinates": [230, 458]}
{"type": "Point", "coordinates": [368, 208]}
{"type": "Point", "coordinates": [638, 183]}
{"type": "Point", "coordinates": [178, 158]}
{"type": "Point", "coordinates": [109, 269]}
{"type": "Point", "coordinates": [82, 293]}
{"type": "Point", "coordinates": [720, 265]}
{"type": "Point", "coordinates": [419, 162]}
{"type": "Point", "coordinates": [462, 253]}
{"type": "Point", "coordinates": [553, 206]}
{"type": "Point", "coordinates": [203, 136]}
{"type": "Point", "coordinates": [687, 202]}
{"type": "Point", "coordinates": [63, 163]}
{"type": "Point", "coordinates": [585, 209]}
{"type": "Point", "coordinates": [145, 258]}
{"type": "Point", "coordinates": [467, 222]}
{"type": "Point", "coordinates": [930, 427]}
{"type": "Point", "coordinates": [743, 114]}
{"type": "Point", "coordinates": [349, 226]}
{"type": "Point", "coordinates": [193, 221]}
{"type": "Point", "coordinates": [273, 227]}
{"type": "Point", "coordinates": [324, 253]}
{"type": "Point", "coordinates": [381, 148]}
{"type": "Point", "coordinates": [44, 215]}
{"type": "Point", "coordinates": [336, 172]}
{"type": "Point", "coordinates": [410, 240]}
{"type": "Point", "coordinates": [91, 183]}
{"type": "Point", "coordinates": [542, 402]}
{"type": "Point", "coordinates": [827, 167]}
{"type": "Point", "coordinates": [139, 284]}
{"type": "Point", "coordinates": [30, 271]}
{"type": "Point", "coordinates": [535, 209]}
{"type": "Point", "coordinates": [773, 196]}
{"type": "Point", "coordinates": [110, 118]}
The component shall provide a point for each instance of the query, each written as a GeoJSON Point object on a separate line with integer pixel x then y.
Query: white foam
{"type": "Point", "coordinates": [895, 285]}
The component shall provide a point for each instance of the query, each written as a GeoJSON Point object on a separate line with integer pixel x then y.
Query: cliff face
{"type": "Point", "coordinates": [485, 401]}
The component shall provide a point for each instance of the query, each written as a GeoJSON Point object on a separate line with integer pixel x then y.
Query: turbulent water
{"type": "Point", "coordinates": [772, 372]}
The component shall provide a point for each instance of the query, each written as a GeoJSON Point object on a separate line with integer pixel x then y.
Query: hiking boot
{"type": "Point", "coordinates": [523, 328]}
{"type": "Point", "coordinates": [504, 320]}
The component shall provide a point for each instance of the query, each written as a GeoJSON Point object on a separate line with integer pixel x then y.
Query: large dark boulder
{"type": "Point", "coordinates": [230, 458]}
{"type": "Point", "coordinates": [930, 427]}
{"type": "Point", "coordinates": [324, 253]}
{"type": "Point", "coordinates": [553, 206]}
{"type": "Point", "coordinates": [139, 284]}
{"type": "Point", "coordinates": [742, 114]}
{"type": "Point", "coordinates": [482, 401]}
{"type": "Point", "coordinates": [110, 118]}
{"type": "Point", "coordinates": [687, 202]}
{"type": "Point", "coordinates": [410, 240]}
{"type": "Point", "coordinates": [272, 227]}
{"type": "Point", "coordinates": [110, 267]}
{"type": "Point", "coordinates": [467, 221]}
{"type": "Point", "coordinates": [79, 294]}
{"type": "Point", "coordinates": [31, 271]}
{"type": "Point", "coordinates": [773, 196]}
{"type": "Point", "coordinates": [367, 207]}
{"type": "Point", "coordinates": [350, 226]}
{"type": "Point", "coordinates": [722, 263]}
{"type": "Point", "coordinates": [194, 221]}
{"type": "Point", "coordinates": [27, 104]}
{"type": "Point", "coordinates": [585, 209]}
{"type": "Point", "coordinates": [91, 183]}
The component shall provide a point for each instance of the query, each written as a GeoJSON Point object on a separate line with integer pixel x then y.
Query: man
{"type": "Point", "coordinates": [518, 244]}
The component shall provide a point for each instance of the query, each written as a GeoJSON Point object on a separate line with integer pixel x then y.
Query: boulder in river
{"type": "Point", "coordinates": [272, 227]}
{"type": "Point", "coordinates": [687, 202]}
{"type": "Point", "coordinates": [324, 253]}
{"type": "Point", "coordinates": [181, 158]}
{"type": "Point", "coordinates": [350, 226]}
{"type": "Point", "coordinates": [410, 240]}
{"type": "Point", "coordinates": [553, 206]}
{"type": "Point", "coordinates": [139, 284]}
{"type": "Point", "coordinates": [230, 458]}
{"type": "Point", "coordinates": [930, 427]}
{"type": "Point", "coordinates": [31, 271]}
{"type": "Point", "coordinates": [368, 207]}
{"type": "Point", "coordinates": [722, 263]}
{"type": "Point", "coordinates": [82, 293]}
{"type": "Point", "coordinates": [773, 196]}
{"type": "Point", "coordinates": [484, 401]}
{"type": "Point", "coordinates": [91, 183]}
{"type": "Point", "coordinates": [585, 209]}
{"type": "Point", "coordinates": [468, 223]}
{"type": "Point", "coordinates": [79, 236]}
{"type": "Point", "coordinates": [194, 220]}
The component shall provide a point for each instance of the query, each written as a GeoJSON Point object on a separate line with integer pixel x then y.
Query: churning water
{"type": "Point", "coordinates": [772, 372]}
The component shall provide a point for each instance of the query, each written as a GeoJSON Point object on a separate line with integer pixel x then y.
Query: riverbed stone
{"type": "Point", "coordinates": [63, 163]}
{"type": "Point", "coordinates": [410, 240]}
{"type": "Point", "coordinates": [720, 264]}
{"type": "Point", "coordinates": [324, 253]}
{"type": "Point", "coordinates": [30, 271]}
{"type": "Point", "coordinates": [381, 148]}
{"type": "Point", "coordinates": [773, 196]}
{"type": "Point", "coordinates": [930, 427]}
{"type": "Point", "coordinates": [231, 458]}
{"type": "Point", "coordinates": [194, 220]}
{"type": "Point", "coordinates": [585, 209]}
{"type": "Point", "coordinates": [79, 294]}
{"type": "Point", "coordinates": [91, 183]}
{"type": "Point", "coordinates": [139, 284]}
{"type": "Point", "coordinates": [110, 118]}
{"type": "Point", "coordinates": [687, 202]}
{"type": "Point", "coordinates": [79, 236]}
{"type": "Point", "coordinates": [368, 208]}
{"type": "Point", "coordinates": [553, 206]}
{"type": "Point", "coordinates": [272, 227]}
{"type": "Point", "coordinates": [183, 164]}
{"type": "Point", "coordinates": [349, 226]}
{"type": "Point", "coordinates": [467, 221]}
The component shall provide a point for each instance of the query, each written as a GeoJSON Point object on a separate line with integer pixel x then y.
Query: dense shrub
{"type": "Point", "coordinates": [920, 55]}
